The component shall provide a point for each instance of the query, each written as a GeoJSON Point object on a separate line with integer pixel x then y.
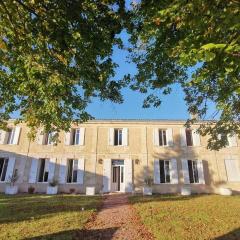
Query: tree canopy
{"type": "Point", "coordinates": [55, 55]}
{"type": "Point", "coordinates": [170, 37]}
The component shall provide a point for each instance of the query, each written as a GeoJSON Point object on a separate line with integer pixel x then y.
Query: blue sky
{"type": "Point", "coordinates": [172, 107]}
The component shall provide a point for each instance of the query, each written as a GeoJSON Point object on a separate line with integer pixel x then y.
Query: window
{"type": "Point", "coordinates": [233, 170]}
{"type": "Point", "coordinates": [48, 138]}
{"type": "Point", "coordinates": [3, 168]}
{"type": "Point", "coordinates": [117, 137]}
{"type": "Point", "coordinates": [75, 136]}
{"type": "Point", "coordinates": [164, 171]}
{"type": "Point", "coordinates": [72, 170]}
{"type": "Point", "coordinates": [11, 133]}
{"type": "Point", "coordinates": [189, 138]}
{"type": "Point", "coordinates": [193, 171]}
{"type": "Point", "coordinates": [43, 170]}
{"type": "Point", "coordinates": [162, 137]}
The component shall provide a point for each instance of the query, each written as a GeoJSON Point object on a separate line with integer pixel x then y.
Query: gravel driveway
{"type": "Point", "coordinates": [116, 220]}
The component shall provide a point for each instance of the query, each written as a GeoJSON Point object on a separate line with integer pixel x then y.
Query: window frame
{"type": "Point", "coordinates": [167, 177]}
{"type": "Point", "coordinates": [74, 171]}
{"type": "Point", "coordinates": [76, 132]}
{"type": "Point", "coordinates": [4, 169]}
{"type": "Point", "coordinates": [11, 134]}
{"type": "Point", "coordinates": [44, 170]}
{"type": "Point", "coordinates": [189, 132]}
{"type": "Point", "coordinates": [119, 139]}
{"type": "Point", "coordinates": [195, 173]}
{"type": "Point", "coordinates": [161, 134]}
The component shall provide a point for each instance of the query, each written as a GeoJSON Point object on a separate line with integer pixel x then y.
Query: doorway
{"type": "Point", "coordinates": [118, 176]}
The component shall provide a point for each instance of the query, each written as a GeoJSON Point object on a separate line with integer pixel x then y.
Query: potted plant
{"type": "Point", "coordinates": [11, 188]}
{"type": "Point", "coordinates": [101, 190]}
{"type": "Point", "coordinates": [52, 188]}
{"type": "Point", "coordinates": [31, 189]}
{"type": "Point", "coordinates": [147, 188]}
{"type": "Point", "coordinates": [186, 190]}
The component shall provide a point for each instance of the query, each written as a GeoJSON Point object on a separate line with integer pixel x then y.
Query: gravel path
{"type": "Point", "coordinates": [116, 220]}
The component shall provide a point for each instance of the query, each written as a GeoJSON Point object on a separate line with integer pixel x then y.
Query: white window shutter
{"type": "Point", "coordinates": [67, 139]}
{"type": "Point", "coordinates": [196, 138]}
{"type": "Point", "coordinates": [40, 137]}
{"type": "Point", "coordinates": [16, 135]}
{"type": "Point", "coordinates": [183, 140]}
{"type": "Point", "coordinates": [51, 169]}
{"type": "Point", "coordinates": [3, 137]}
{"type": "Point", "coordinates": [233, 170]}
{"type": "Point", "coordinates": [169, 133]}
{"type": "Point", "coordinates": [63, 171]}
{"type": "Point", "coordinates": [125, 136]}
{"type": "Point", "coordinates": [156, 171]}
{"type": "Point", "coordinates": [232, 140]}
{"type": "Point", "coordinates": [185, 171]}
{"type": "Point", "coordinates": [156, 137]}
{"type": "Point", "coordinates": [82, 136]}
{"type": "Point", "coordinates": [80, 171]}
{"type": "Point", "coordinates": [107, 165]}
{"type": "Point", "coordinates": [128, 175]}
{"type": "Point", "coordinates": [200, 171]}
{"type": "Point", "coordinates": [33, 171]}
{"type": "Point", "coordinates": [10, 168]}
{"type": "Point", "coordinates": [173, 171]}
{"type": "Point", "coordinates": [111, 136]}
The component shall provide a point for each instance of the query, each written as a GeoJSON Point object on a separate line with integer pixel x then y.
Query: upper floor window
{"type": "Point", "coordinates": [43, 170]}
{"type": "Point", "coordinates": [164, 171]}
{"type": "Point", "coordinates": [11, 136]}
{"type": "Point", "coordinates": [3, 169]}
{"type": "Point", "coordinates": [162, 137]}
{"type": "Point", "coordinates": [11, 133]}
{"type": "Point", "coordinates": [117, 136]}
{"type": "Point", "coordinates": [48, 138]}
{"type": "Point", "coordinates": [189, 137]}
{"type": "Point", "coordinates": [76, 136]}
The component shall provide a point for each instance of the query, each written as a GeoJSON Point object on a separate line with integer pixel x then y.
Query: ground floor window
{"type": "Point", "coordinates": [72, 170]}
{"type": "Point", "coordinates": [43, 170]}
{"type": "Point", "coordinates": [164, 171]}
{"type": "Point", "coordinates": [233, 170]}
{"type": "Point", "coordinates": [3, 168]}
{"type": "Point", "coordinates": [193, 171]}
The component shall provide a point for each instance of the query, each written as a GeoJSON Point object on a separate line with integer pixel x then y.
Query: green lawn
{"type": "Point", "coordinates": [44, 216]}
{"type": "Point", "coordinates": [196, 217]}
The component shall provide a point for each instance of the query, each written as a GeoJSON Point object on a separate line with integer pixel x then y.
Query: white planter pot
{"type": "Point", "coordinates": [147, 190]}
{"type": "Point", "coordinates": [11, 190]}
{"type": "Point", "coordinates": [186, 191]}
{"type": "Point", "coordinates": [52, 190]}
{"type": "Point", "coordinates": [225, 191]}
{"type": "Point", "coordinates": [90, 191]}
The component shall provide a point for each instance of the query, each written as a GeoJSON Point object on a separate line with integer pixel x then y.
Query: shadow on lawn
{"type": "Point", "coordinates": [29, 207]}
{"type": "Point", "coordinates": [163, 198]}
{"type": "Point", "coordinates": [97, 234]}
{"type": "Point", "coordinates": [233, 235]}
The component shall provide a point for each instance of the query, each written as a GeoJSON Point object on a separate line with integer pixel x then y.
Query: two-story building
{"type": "Point", "coordinates": [117, 155]}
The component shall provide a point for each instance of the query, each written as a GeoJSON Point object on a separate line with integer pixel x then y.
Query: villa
{"type": "Point", "coordinates": [117, 156]}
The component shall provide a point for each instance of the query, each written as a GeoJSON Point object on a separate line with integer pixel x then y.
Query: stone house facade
{"type": "Point", "coordinates": [117, 155]}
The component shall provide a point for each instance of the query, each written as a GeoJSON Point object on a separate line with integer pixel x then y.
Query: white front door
{"type": "Point", "coordinates": [118, 176]}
